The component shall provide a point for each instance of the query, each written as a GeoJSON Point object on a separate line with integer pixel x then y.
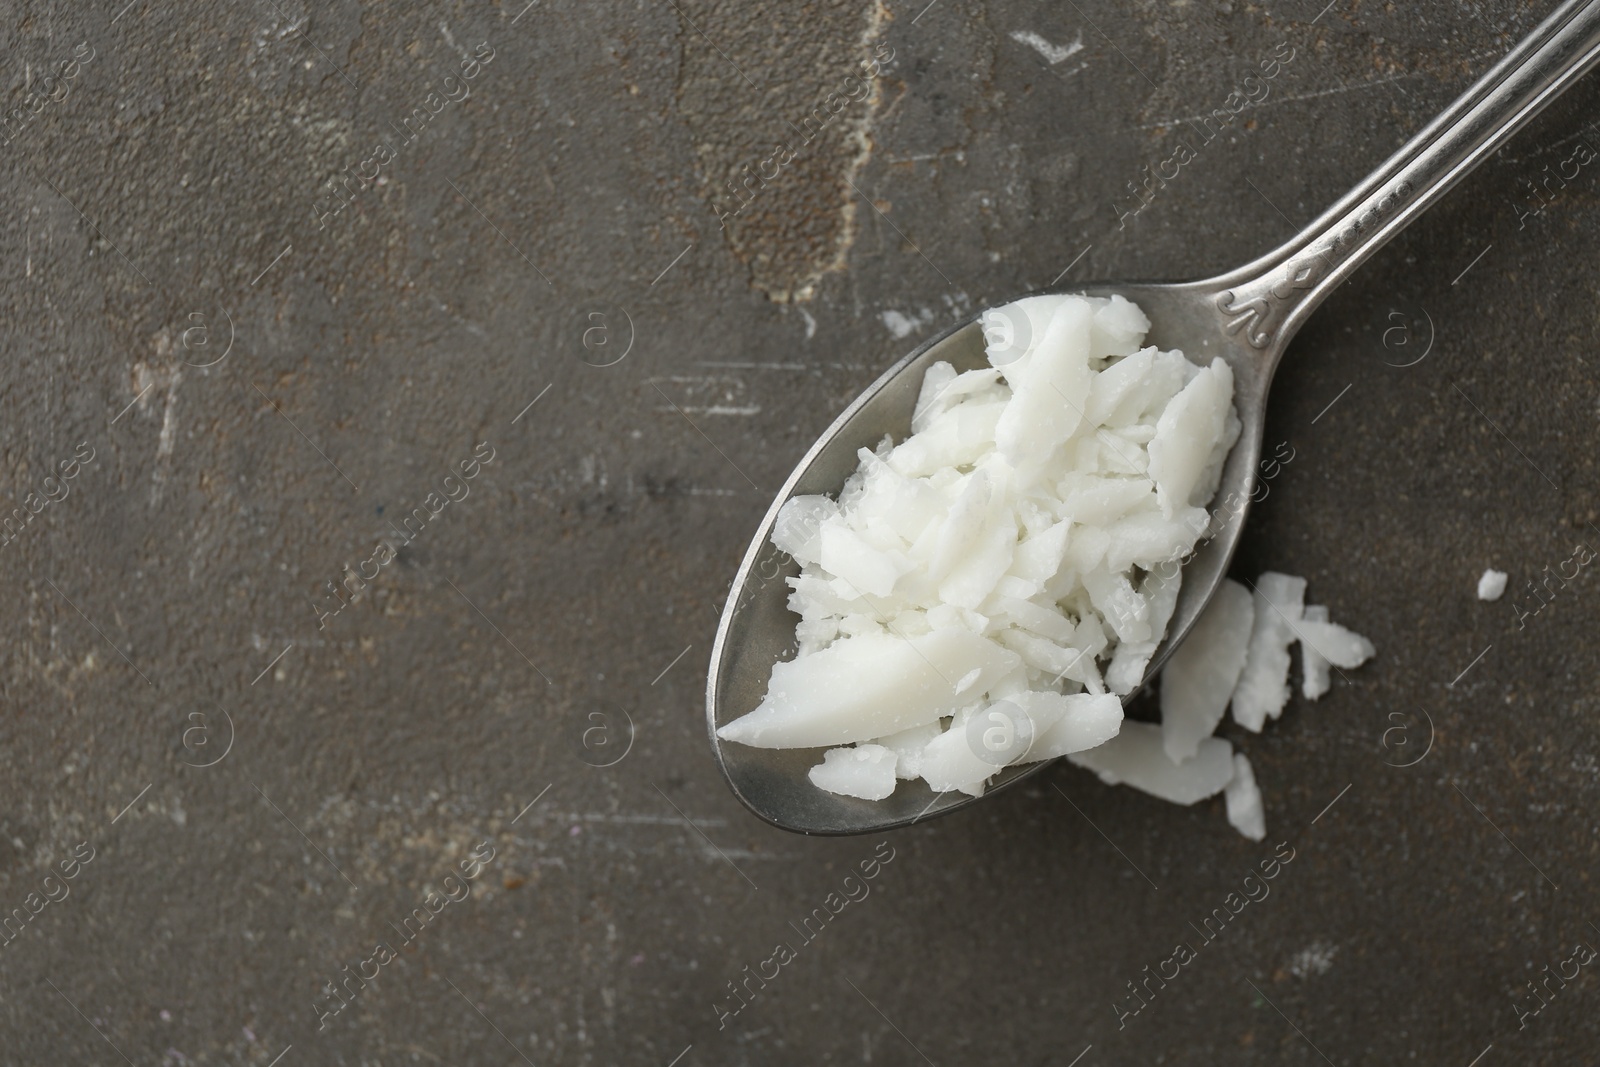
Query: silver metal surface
{"type": "Point", "coordinates": [1246, 317]}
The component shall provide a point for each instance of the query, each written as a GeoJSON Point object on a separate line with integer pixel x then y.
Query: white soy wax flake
{"type": "Point", "coordinates": [1491, 585]}
{"type": "Point", "coordinates": [865, 771]}
{"type": "Point", "coordinates": [1136, 757]}
{"type": "Point", "coordinates": [1264, 683]}
{"type": "Point", "coordinates": [908, 746]}
{"type": "Point", "coordinates": [1246, 813]}
{"type": "Point", "coordinates": [1314, 666]}
{"type": "Point", "coordinates": [1199, 679]}
{"type": "Point", "coordinates": [1340, 647]}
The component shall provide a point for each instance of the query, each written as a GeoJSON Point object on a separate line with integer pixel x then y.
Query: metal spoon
{"type": "Point", "coordinates": [1246, 316]}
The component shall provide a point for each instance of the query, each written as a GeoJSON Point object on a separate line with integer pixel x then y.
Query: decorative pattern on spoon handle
{"type": "Point", "coordinates": [1260, 313]}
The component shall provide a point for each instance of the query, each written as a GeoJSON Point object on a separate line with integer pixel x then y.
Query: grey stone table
{"type": "Point", "coordinates": [390, 392]}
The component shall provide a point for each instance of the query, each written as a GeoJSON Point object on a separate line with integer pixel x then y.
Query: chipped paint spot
{"type": "Point", "coordinates": [779, 160]}
{"type": "Point", "coordinates": [1053, 53]}
{"type": "Point", "coordinates": [164, 372]}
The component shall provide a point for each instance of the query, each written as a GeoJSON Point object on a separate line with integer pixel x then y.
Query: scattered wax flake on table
{"type": "Point", "coordinates": [1246, 813]}
{"type": "Point", "coordinates": [1200, 677]}
{"type": "Point", "coordinates": [1264, 684]}
{"type": "Point", "coordinates": [1137, 757]}
{"type": "Point", "coordinates": [982, 592]}
{"type": "Point", "coordinates": [1226, 635]}
{"type": "Point", "coordinates": [1314, 679]}
{"type": "Point", "coordinates": [1491, 584]}
{"type": "Point", "coordinates": [1340, 647]}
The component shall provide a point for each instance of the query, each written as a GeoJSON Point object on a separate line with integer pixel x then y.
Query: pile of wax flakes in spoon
{"type": "Point", "coordinates": [984, 592]}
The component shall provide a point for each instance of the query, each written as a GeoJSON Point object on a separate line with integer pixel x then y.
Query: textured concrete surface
{"type": "Point", "coordinates": [253, 390]}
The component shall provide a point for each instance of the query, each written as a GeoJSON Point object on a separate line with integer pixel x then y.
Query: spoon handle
{"type": "Point", "coordinates": [1268, 300]}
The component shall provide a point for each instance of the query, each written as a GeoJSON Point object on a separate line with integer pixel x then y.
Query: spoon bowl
{"type": "Point", "coordinates": [1245, 317]}
{"type": "Point", "coordinates": [758, 629]}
